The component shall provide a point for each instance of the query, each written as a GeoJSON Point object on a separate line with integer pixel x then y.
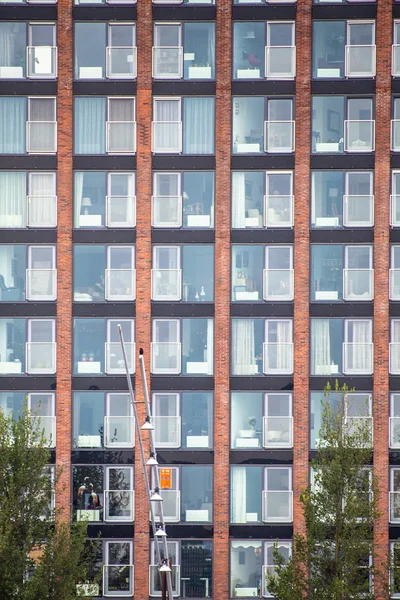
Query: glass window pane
{"type": "Point", "coordinates": [246, 488]}
{"type": "Point", "coordinates": [326, 346]}
{"type": "Point", "coordinates": [90, 50]}
{"type": "Point", "coordinates": [88, 487]}
{"type": "Point", "coordinates": [11, 403]}
{"type": "Point", "coordinates": [12, 199]}
{"type": "Point", "coordinates": [88, 420]}
{"type": "Point", "coordinates": [89, 195]}
{"type": "Point", "coordinates": [317, 403]}
{"type": "Point", "coordinates": [89, 265]}
{"type": "Point", "coordinates": [246, 419]}
{"type": "Point", "coordinates": [13, 43]}
{"type": "Point", "coordinates": [328, 49]}
{"type": "Point", "coordinates": [327, 124]}
{"type": "Point", "coordinates": [247, 346]}
{"type": "Point", "coordinates": [12, 273]}
{"type": "Point", "coordinates": [12, 346]}
{"type": "Point", "coordinates": [197, 419]}
{"type": "Point", "coordinates": [197, 568]}
{"type": "Point", "coordinates": [12, 125]}
{"type": "Point", "coordinates": [199, 50]}
{"type": "Point", "coordinates": [197, 494]}
{"type": "Point", "coordinates": [198, 198]}
{"type": "Point", "coordinates": [89, 339]}
{"type": "Point", "coordinates": [198, 125]}
{"type": "Point", "coordinates": [247, 272]}
{"type": "Point", "coordinates": [198, 346]}
{"type": "Point", "coordinates": [327, 189]}
{"type": "Point", "coordinates": [247, 199]}
{"type": "Point", "coordinates": [248, 125]}
{"type": "Point", "coordinates": [246, 565]}
{"type": "Point", "coordinates": [248, 50]}
{"type": "Point", "coordinates": [198, 273]}
{"type": "Point", "coordinates": [326, 272]}
{"type": "Point", "coordinates": [90, 126]}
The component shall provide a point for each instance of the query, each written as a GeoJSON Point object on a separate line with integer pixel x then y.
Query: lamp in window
{"type": "Point", "coordinates": [86, 202]}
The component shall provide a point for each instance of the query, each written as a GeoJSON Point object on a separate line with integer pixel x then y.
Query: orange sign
{"type": "Point", "coordinates": [166, 479]}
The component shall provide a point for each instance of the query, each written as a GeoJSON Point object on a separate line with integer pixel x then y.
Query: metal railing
{"type": "Point", "coordinates": [166, 211]}
{"type": "Point", "coordinates": [121, 137]}
{"type": "Point", "coordinates": [41, 137]}
{"type": "Point", "coordinates": [119, 505]}
{"type": "Point", "coordinates": [279, 136]}
{"type": "Point", "coordinates": [278, 284]}
{"type": "Point", "coordinates": [277, 506]}
{"type": "Point", "coordinates": [358, 210]}
{"type": "Point", "coordinates": [115, 360]}
{"type": "Point", "coordinates": [358, 358]}
{"type": "Point", "coordinates": [166, 284]}
{"type": "Point", "coordinates": [167, 62]}
{"type": "Point", "coordinates": [40, 358]}
{"type": "Point", "coordinates": [119, 432]}
{"type": "Point", "coordinates": [121, 211]}
{"type": "Point", "coordinates": [166, 358]}
{"type": "Point", "coordinates": [166, 137]}
{"type": "Point", "coordinates": [120, 284]}
{"type": "Point", "coordinates": [121, 62]}
{"type": "Point", "coordinates": [41, 211]}
{"type": "Point", "coordinates": [358, 284]}
{"type": "Point", "coordinates": [280, 62]}
{"type": "Point", "coordinates": [360, 60]}
{"type": "Point", "coordinates": [278, 211]}
{"type": "Point", "coordinates": [359, 136]}
{"type": "Point", "coordinates": [278, 432]}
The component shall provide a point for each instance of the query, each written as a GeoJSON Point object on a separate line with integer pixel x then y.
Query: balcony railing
{"type": "Point", "coordinates": [396, 60]}
{"type": "Point", "coordinates": [394, 432]}
{"type": "Point", "coordinates": [121, 211]}
{"type": "Point", "coordinates": [41, 137]}
{"type": "Point", "coordinates": [359, 136]}
{"type": "Point", "coordinates": [277, 506]}
{"type": "Point", "coordinates": [119, 432]}
{"type": "Point", "coordinates": [166, 284]}
{"type": "Point", "coordinates": [115, 360]}
{"type": "Point", "coordinates": [278, 432]}
{"type": "Point", "coordinates": [353, 425]}
{"type": "Point", "coordinates": [166, 211]}
{"type": "Point", "coordinates": [280, 62]}
{"type": "Point", "coordinates": [121, 62]}
{"type": "Point", "coordinates": [358, 284]}
{"type": "Point", "coordinates": [40, 358]}
{"type": "Point", "coordinates": [167, 62]}
{"type": "Point", "coordinates": [360, 61]}
{"type": "Point", "coordinates": [41, 62]}
{"type": "Point", "coordinates": [167, 431]}
{"type": "Point", "coordinates": [278, 211]}
{"type": "Point", "coordinates": [166, 358]}
{"type": "Point", "coordinates": [155, 584]}
{"type": "Point", "coordinates": [278, 358]}
{"type": "Point", "coordinates": [171, 506]}
{"type": "Point", "coordinates": [47, 425]}
{"type": "Point", "coordinates": [358, 358]}
{"type": "Point", "coordinates": [41, 284]}
{"type": "Point", "coordinates": [358, 211]}
{"type": "Point", "coordinates": [278, 284]}
{"type": "Point", "coordinates": [118, 580]}
{"type": "Point", "coordinates": [42, 211]}
{"type": "Point", "coordinates": [279, 137]}
{"type": "Point", "coordinates": [121, 137]}
{"type": "Point", "coordinates": [166, 137]}
{"type": "Point", "coordinates": [394, 358]}
{"type": "Point", "coordinates": [120, 284]}
{"type": "Point", "coordinates": [394, 507]}
{"type": "Point", "coordinates": [119, 505]}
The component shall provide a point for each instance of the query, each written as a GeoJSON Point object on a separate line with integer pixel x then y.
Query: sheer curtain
{"type": "Point", "coordinates": [78, 194]}
{"type": "Point", "coordinates": [284, 353]}
{"type": "Point", "coordinates": [238, 200]}
{"type": "Point", "coordinates": [211, 48]}
{"type": "Point", "coordinates": [239, 495]}
{"type": "Point", "coordinates": [42, 207]}
{"type": "Point", "coordinates": [12, 39]}
{"type": "Point", "coordinates": [198, 128]}
{"type": "Point", "coordinates": [90, 125]}
{"type": "Point", "coordinates": [210, 346]}
{"type": "Point", "coordinates": [167, 115]}
{"type": "Point", "coordinates": [243, 350]}
{"type": "Point", "coordinates": [42, 127]}
{"type": "Point", "coordinates": [395, 350]}
{"type": "Point", "coordinates": [320, 347]}
{"type": "Point", "coordinates": [12, 125]}
{"type": "Point", "coordinates": [362, 351]}
{"type": "Point", "coordinates": [12, 199]}
{"type": "Point", "coordinates": [121, 115]}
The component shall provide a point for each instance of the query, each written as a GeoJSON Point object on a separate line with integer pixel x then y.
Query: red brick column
{"type": "Point", "coordinates": [301, 258]}
{"type": "Point", "coordinates": [64, 254]}
{"type": "Point", "coordinates": [381, 280]}
{"type": "Point", "coordinates": [222, 299]}
{"type": "Point", "coordinates": [143, 270]}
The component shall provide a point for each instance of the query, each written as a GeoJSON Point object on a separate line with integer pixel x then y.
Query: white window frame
{"type": "Point", "coordinates": [266, 415]}
{"type": "Point", "coordinates": [131, 489]}
{"type": "Point", "coordinates": [31, 99]}
{"type": "Point", "coordinates": [107, 543]}
{"type": "Point", "coordinates": [131, 323]}
{"type": "Point", "coordinates": [177, 325]}
{"type": "Point", "coordinates": [156, 194]}
{"type": "Point", "coordinates": [31, 175]}
{"type": "Point", "coordinates": [170, 150]}
{"type": "Point", "coordinates": [347, 176]}
{"type": "Point", "coordinates": [131, 175]}
{"type": "Point", "coordinates": [177, 416]}
{"type": "Point", "coordinates": [54, 45]}
{"type": "Point", "coordinates": [110, 250]}
{"type": "Point", "coordinates": [110, 99]}
{"type": "Point", "coordinates": [110, 25]}
{"type": "Point", "coordinates": [109, 415]}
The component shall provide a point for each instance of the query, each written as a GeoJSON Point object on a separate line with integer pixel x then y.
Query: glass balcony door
{"type": "Point", "coordinates": [41, 346]}
{"type": "Point", "coordinates": [358, 199]}
{"type": "Point", "coordinates": [277, 495]}
{"type": "Point", "coordinates": [167, 200]}
{"type": "Point", "coordinates": [359, 131]}
{"type": "Point", "coordinates": [42, 200]}
{"type": "Point", "coordinates": [121, 200]}
{"type": "Point", "coordinates": [167, 126]}
{"type": "Point", "coordinates": [41, 276]}
{"type": "Point", "coordinates": [114, 357]}
{"type": "Point", "coordinates": [118, 569]}
{"type": "Point", "coordinates": [394, 421]}
{"type": "Point", "coordinates": [120, 273]}
{"type": "Point", "coordinates": [358, 347]}
{"type": "Point", "coordinates": [167, 51]}
{"type": "Point", "coordinates": [121, 126]}
{"type": "Point", "coordinates": [171, 497]}
{"type": "Point", "coordinates": [394, 495]}
{"type": "Point", "coordinates": [119, 424]}
{"type": "Point", "coordinates": [42, 51]}
{"type": "Point", "coordinates": [358, 273]}
{"type": "Point", "coordinates": [166, 274]}
{"type": "Point", "coordinates": [119, 494]}
{"type": "Point", "coordinates": [278, 421]}
{"type": "Point", "coordinates": [167, 420]}
{"type": "Point", "coordinates": [360, 49]}
{"type": "Point", "coordinates": [280, 50]}
{"type": "Point", "coordinates": [174, 559]}
{"type": "Point", "coordinates": [121, 51]}
{"type": "Point", "coordinates": [42, 407]}
{"type": "Point", "coordinates": [41, 126]}
{"type": "Point", "coordinates": [279, 126]}
{"type": "Point", "coordinates": [278, 347]}
{"type": "Point", "coordinates": [278, 210]}
{"type": "Point", "coordinates": [278, 273]}
{"type": "Point", "coordinates": [166, 347]}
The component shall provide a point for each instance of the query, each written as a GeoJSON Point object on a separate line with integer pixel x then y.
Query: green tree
{"type": "Point", "coordinates": [41, 556]}
{"type": "Point", "coordinates": [331, 561]}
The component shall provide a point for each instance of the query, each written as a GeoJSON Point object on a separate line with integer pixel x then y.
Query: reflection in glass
{"type": "Point", "coordinates": [89, 265]}
{"type": "Point", "coordinates": [89, 338]}
{"type": "Point", "coordinates": [247, 269]}
{"type": "Point", "coordinates": [88, 420]}
{"type": "Point", "coordinates": [327, 124]}
{"type": "Point", "coordinates": [88, 492]}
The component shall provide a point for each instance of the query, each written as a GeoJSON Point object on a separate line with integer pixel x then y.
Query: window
{"type": "Point", "coordinates": [343, 49]}
{"type": "Point", "coordinates": [284, 550]}
{"type": "Point", "coordinates": [342, 124]}
{"type": "Point", "coordinates": [262, 125]}
{"type": "Point", "coordinates": [394, 358]}
{"type": "Point", "coordinates": [262, 199]}
{"type": "Point", "coordinates": [118, 569]}
{"type": "Point", "coordinates": [42, 407]}
{"type": "Point", "coordinates": [394, 574]}
{"type": "Point", "coordinates": [394, 495]}
{"type": "Point", "coordinates": [264, 49]}
{"type": "Point", "coordinates": [246, 564]}
{"type": "Point", "coordinates": [261, 420]}
{"type": "Point", "coordinates": [394, 200]}
{"type": "Point", "coordinates": [396, 49]}
{"type": "Point", "coordinates": [27, 346]}
{"type": "Point", "coordinates": [27, 199]}
{"type": "Point", "coordinates": [105, 125]}
{"type": "Point", "coordinates": [28, 125]}
{"type": "Point", "coordinates": [194, 355]}
{"type": "Point", "coordinates": [184, 50]}
{"type": "Point", "coordinates": [97, 350]}
{"type": "Point", "coordinates": [28, 50]}
{"type": "Point", "coordinates": [183, 419]}
{"type": "Point", "coordinates": [342, 199]}
{"type": "Point", "coordinates": [183, 125]}
{"type": "Point", "coordinates": [394, 421]}
{"type": "Point", "coordinates": [183, 199]}
{"type": "Point", "coordinates": [278, 347]}
{"type": "Point", "coordinates": [395, 128]}
{"type": "Point", "coordinates": [105, 50]}
{"type": "Point", "coordinates": [119, 495]}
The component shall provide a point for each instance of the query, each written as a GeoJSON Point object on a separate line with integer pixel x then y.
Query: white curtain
{"type": "Point", "coordinates": [167, 113]}
{"type": "Point", "coordinates": [320, 347]}
{"type": "Point", "coordinates": [12, 199]}
{"type": "Point", "coordinates": [90, 125]}
{"type": "Point", "coordinates": [42, 208]}
{"type": "Point", "coordinates": [238, 200]}
{"type": "Point", "coordinates": [12, 125]}
{"type": "Point", "coordinates": [239, 495]}
{"type": "Point", "coordinates": [12, 36]}
{"type": "Point", "coordinates": [121, 129]}
{"type": "Point", "coordinates": [243, 351]}
{"type": "Point", "coordinates": [198, 130]}
{"type": "Point", "coordinates": [284, 353]}
{"type": "Point", "coordinates": [210, 346]}
{"type": "Point", "coordinates": [362, 350]}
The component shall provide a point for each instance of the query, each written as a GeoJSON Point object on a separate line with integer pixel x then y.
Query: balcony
{"type": "Point", "coordinates": [41, 211]}
{"type": "Point", "coordinates": [167, 62]}
{"type": "Point", "coordinates": [167, 431]}
{"type": "Point", "coordinates": [280, 62]}
{"type": "Point", "coordinates": [394, 358]}
{"type": "Point", "coordinates": [41, 62]}
{"type": "Point", "coordinates": [277, 506]}
{"type": "Point", "coordinates": [278, 432]}
{"type": "Point", "coordinates": [118, 580]}
{"type": "Point", "coordinates": [396, 60]}
{"type": "Point", "coordinates": [47, 426]}
{"type": "Point", "coordinates": [120, 284]}
{"type": "Point", "coordinates": [114, 358]}
{"type": "Point", "coordinates": [278, 358]}
{"type": "Point", "coordinates": [40, 358]}
{"type": "Point", "coordinates": [358, 284]}
{"type": "Point", "coordinates": [360, 61]}
{"type": "Point", "coordinates": [279, 137]}
{"type": "Point", "coordinates": [171, 505]}
{"type": "Point", "coordinates": [166, 284]}
{"type": "Point", "coordinates": [167, 137]}
{"type": "Point", "coordinates": [358, 358]}
{"type": "Point", "coordinates": [155, 584]}
{"type": "Point", "coordinates": [394, 432]}
{"type": "Point", "coordinates": [358, 211]}
{"type": "Point", "coordinates": [278, 211]}
{"type": "Point", "coordinates": [394, 507]}
{"type": "Point", "coordinates": [41, 137]}
{"type": "Point", "coordinates": [119, 505]}
{"type": "Point", "coordinates": [166, 358]}
{"type": "Point", "coordinates": [121, 137]}
{"type": "Point", "coordinates": [278, 284]}
{"type": "Point", "coordinates": [119, 432]}
{"type": "Point", "coordinates": [41, 284]}
{"type": "Point", "coordinates": [166, 211]}
{"type": "Point", "coordinates": [121, 62]}
{"type": "Point", "coordinates": [121, 211]}
{"type": "Point", "coordinates": [359, 136]}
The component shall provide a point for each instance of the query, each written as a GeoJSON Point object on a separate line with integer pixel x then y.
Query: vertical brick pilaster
{"type": "Point", "coordinates": [222, 299]}
{"type": "Point", "coordinates": [384, 29]}
{"type": "Point", "coordinates": [64, 254]}
{"type": "Point", "coordinates": [301, 257]}
{"type": "Point", "coordinates": [143, 270]}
